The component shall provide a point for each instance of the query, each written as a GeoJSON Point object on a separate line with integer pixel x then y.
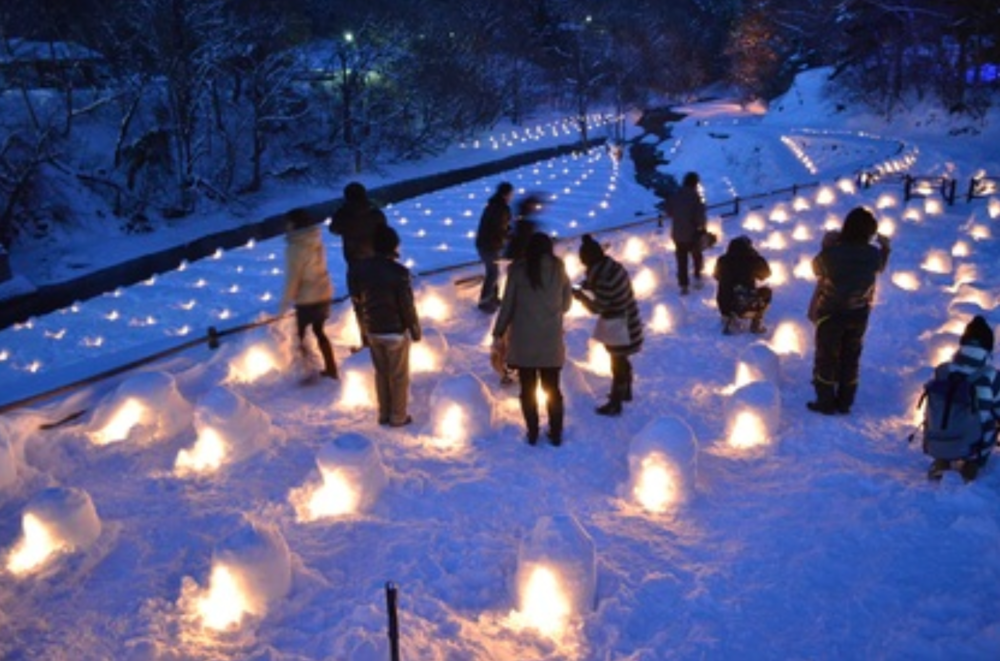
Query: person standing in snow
{"type": "Point", "coordinates": [307, 284]}
{"type": "Point", "coordinates": [389, 318]}
{"type": "Point", "coordinates": [490, 238]}
{"type": "Point", "coordinates": [846, 270]}
{"type": "Point", "coordinates": [972, 359]}
{"type": "Point", "coordinates": [619, 326]}
{"type": "Point", "coordinates": [535, 298]}
{"type": "Point", "coordinates": [738, 295]}
{"type": "Point", "coordinates": [524, 227]}
{"type": "Point", "coordinates": [356, 223]}
{"type": "Point", "coordinates": [689, 218]}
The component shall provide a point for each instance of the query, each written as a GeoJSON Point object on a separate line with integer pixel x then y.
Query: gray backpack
{"type": "Point", "coordinates": [951, 422]}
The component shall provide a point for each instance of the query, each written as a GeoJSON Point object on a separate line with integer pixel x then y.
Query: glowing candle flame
{"type": "Point", "coordinates": [656, 489]}
{"type": "Point", "coordinates": [35, 547]}
{"type": "Point", "coordinates": [960, 249]}
{"type": "Point", "coordinates": [644, 283]}
{"type": "Point", "coordinates": [207, 455]}
{"type": "Point", "coordinates": [544, 603]}
{"type": "Point", "coordinates": [128, 415]}
{"type": "Point", "coordinates": [661, 322]}
{"type": "Point", "coordinates": [803, 269]}
{"type": "Point", "coordinates": [355, 391]}
{"type": "Point", "coordinates": [598, 359]}
{"type": "Point", "coordinates": [825, 196]}
{"type": "Point", "coordinates": [254, 363]}
{"type": "Point", "coordinates": [635, 250]}
{"type": "Point", "coordinates": [906, 280]}
{"type": "Point", "coordinates": [225, 602]}
{"type": "Point", "coordinates": [937, 261]}
{"type": "Point", "coordinates": [754, 222]}
{"type": "Point", "coordinates": [423, 359]}
{"type": "Point", "coordinates": [434, 307]}
{"type": "Point", "coordinates": [748, 431]}
{"type": "Point", "coordinates": [336, 497]}
{"type": "Point", "coordinates": [788, 339]}
{"type": "Point", "coordinates": [450, 429]}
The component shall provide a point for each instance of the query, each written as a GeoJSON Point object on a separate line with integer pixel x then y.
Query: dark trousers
{"type": "Point", "coordinates": [314, 315]}
{"type": "Point", "coordinates": [549, 377]}
{"type": "Point", "coordinates": [836, 366]}
{"type": "Point", "coordinates": [684, 249]}
{"type": "Point", "coordinates": [490, 292]}
{"type": "Point", "coordinates": [356, 306]}
{"type": "Point", "coordinates": [621, 378]}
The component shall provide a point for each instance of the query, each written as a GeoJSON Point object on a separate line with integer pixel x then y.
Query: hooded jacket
{"type": "Point", "coordinates": [740, 266]}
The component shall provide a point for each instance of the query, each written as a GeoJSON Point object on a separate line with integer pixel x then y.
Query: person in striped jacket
{"type": "Point", "coordinates": [973, 359]}
{"type": "Point", "coordinates": [607, 292]}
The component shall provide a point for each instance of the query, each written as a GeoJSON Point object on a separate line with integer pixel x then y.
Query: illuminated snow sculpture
{"type": "Point", "coordinates": [752, 416]}
{"type": "Point", "coordinates": [461, 410]}
{"type": "Point", "coordinates": [251, 570]}
{"type": "Point", "coordinates": [353, 477]}
{"type": "Point", "coordinates": [57, 520]}
{"type": "Point", "coordinates": [556, 576]}
{"type": "Point", "coordinates": [428, 355]}
{"type": "Point", "coordinates": [145, 408]}
{"type": "Point", "coordinates": [757, 362]}
{"type": "Point", "coordinates": [229, 429]}
{"type": "Point", "coordinates": [663, 463]}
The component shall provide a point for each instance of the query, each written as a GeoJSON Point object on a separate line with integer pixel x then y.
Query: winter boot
{"type": "Point", "coordinates": [757, 326]}
{"type": "Point", "coordinates": [845, 398]}
{"type": "Point", "coordinates": [529, 407]}
{"type": "Point", "coordinates": [826, 402]}
{"type": "Point", "coordinates": [937, 469]}
{"type": "Point", "coordinates": [329, 364]}
{"type": "Point", "coordinates": [969, 470]}
{"type": "Point", "coordinates": [612, 407]}
{"type": "Point", "coordinates": [554, 409]}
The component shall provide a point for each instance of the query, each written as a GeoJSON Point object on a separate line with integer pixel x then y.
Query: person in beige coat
{"type": "Point", "coordinates": [307, 284]}
{"type": "Point", "coordinates": [535, 299]}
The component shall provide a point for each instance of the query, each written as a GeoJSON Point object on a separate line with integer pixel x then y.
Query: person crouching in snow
{"type": "Point", "coordinates": [738, 296]}
{"type": "Point", "coordinates": [389, 320]}
{"type": "Point", "coordinates": [973, 360]}
{"type": "Point", "coordinates": [307, 284]}
{"type": "Point", "coordinates": [619, 326]}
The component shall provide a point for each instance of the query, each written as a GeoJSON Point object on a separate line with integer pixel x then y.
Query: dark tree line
{"type": "Point", "coordinates": [211, 99]}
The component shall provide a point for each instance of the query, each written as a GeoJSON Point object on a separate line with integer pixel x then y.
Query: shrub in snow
{"type": "Point", "coordinates": [8, 464]}
{"type": "Point", "coordinates": [663, 464]}
{"type": "Point", "coordinates": [146, 407]}
{"type": "Point", "coordinates": [352, 471]}
{"type": "Point", "coordinates": [229, 429]}
{"type": "Point", "coordinates": [556, 570]}
{"type": "Point", "coordinates": [752, 415]}
{"type": "Point", "coordinates": [758, 362]}
{"type": "Point", "coordinates": [429, 354]}
{"type": "Point", "coordinates": [461, 409]}
{"type": "Point", "coordinates": [258, 557]}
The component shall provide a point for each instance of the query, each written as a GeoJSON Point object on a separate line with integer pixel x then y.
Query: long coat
{"type": "Point", "coordinates": [535, 316]}
{"type": "Point", "coordinates": [613, 297]}
{"type": "Point", "coordinates": [845, 278]}
{"type": "Point", "coordinates": [307, 279]}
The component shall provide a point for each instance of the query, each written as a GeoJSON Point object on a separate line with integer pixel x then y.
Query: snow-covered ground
{"type": "Point", "coordinates": [212, 507]}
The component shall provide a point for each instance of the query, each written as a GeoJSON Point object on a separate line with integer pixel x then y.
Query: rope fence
{"type": "Point", "coordinates": [914, 186]}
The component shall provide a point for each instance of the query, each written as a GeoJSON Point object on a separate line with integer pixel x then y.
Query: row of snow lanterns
{"type": "Point", "coordinates": [528, 181]}
{"type": "Point", "coordinates": [564, 127]}
{"type": "Point", "coordinates": [162, 322]}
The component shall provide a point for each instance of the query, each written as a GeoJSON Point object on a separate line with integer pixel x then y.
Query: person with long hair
{"type": "Point", "coordinates": [535, 299]}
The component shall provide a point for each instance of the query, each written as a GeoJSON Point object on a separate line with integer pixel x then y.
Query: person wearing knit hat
{"type": "Point", "coordinates": [607, 292]}
{"type": "Point", "coordinates": [972, 360]}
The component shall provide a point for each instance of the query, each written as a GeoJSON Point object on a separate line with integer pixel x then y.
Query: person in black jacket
{"type": "Point", "coordinates": [389, 318]}
{"type": "Point", "coordinates": [738, 295]}
{"type": "Point", "coordinates": [356, 223]}
{"type": "Point", "coordinates": [619, 327]}
{"type": "Point", "coordinates": [490, 238]}
{"type": "Point", "coordinates": [689, 217]}
{"type": "Point", "coordinates": [846, 270]}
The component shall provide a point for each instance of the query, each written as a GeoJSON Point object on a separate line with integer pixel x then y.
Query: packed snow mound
{"type": "Point", "coordinates": [560, 557]}
{"type": "Point", "coordinates": [56, 521]}
{"type": "Point", "coordinates": [145, 408]}
{"type": "Point", "coordinates": [462, 409]}
{"type": "Point", "coordinates": [753, 414]}
{"type": "Point", "coordinates": [8, 464]}
{"type": "Point", "coordinates": [663, 465]}
{"type": "Point", "coordinates": [229, 429]}
{"type": "Point", "coordinates": [351, 463]}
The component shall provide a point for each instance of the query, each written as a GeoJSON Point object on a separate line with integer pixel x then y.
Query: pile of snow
{"type": "Point", "coordinates": [57, 520]}
{"type": "Point", "coordinates": [145, 408]}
